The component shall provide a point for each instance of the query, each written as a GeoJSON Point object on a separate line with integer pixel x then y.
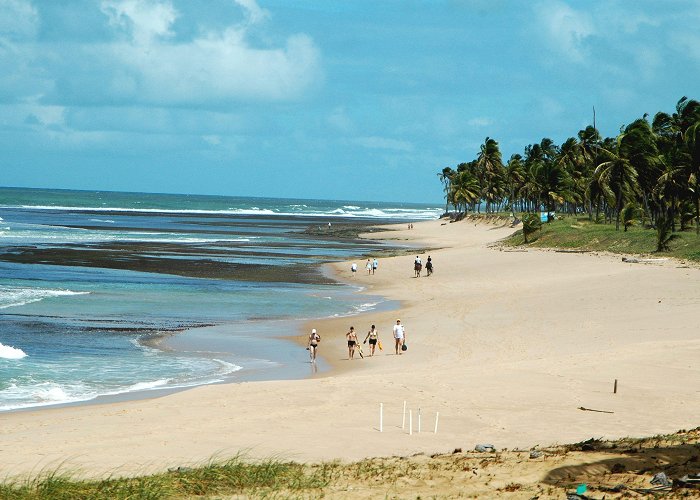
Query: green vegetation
{"type": "Point", "coordinates": [578, 233]}
{"type": "Point", "coordinates": [603, 465]}
{"type": "Point", "coordinates": [235, 476]}
{"type": "Point", "coordinates": [648, 175]}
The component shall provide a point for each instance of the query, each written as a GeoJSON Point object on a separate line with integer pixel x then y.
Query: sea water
{"type": "Point", "coordinates": [105, 293]}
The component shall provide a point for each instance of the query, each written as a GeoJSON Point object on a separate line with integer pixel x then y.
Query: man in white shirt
{"type": "Point", "coordinates": [399, 336]}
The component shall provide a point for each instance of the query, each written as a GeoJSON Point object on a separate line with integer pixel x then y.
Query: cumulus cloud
{"type": "Point", "coordinates": [254, 13]}
{"type": "Point", "coordinates": [566, 28]}
{"type": "Point", "coordinates": [145, 20]}
{"type": "Point", "coordinates": [216, 66]}
{"type": "Point", "coordinates": [19, 20]}
{"type": "Point", "coordinates": [144, 60]}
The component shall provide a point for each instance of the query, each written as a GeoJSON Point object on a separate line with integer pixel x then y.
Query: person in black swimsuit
{"type": "Point", "coordinates": [314, 339]}
{"type": "Point", "coordinates": [352, 342]}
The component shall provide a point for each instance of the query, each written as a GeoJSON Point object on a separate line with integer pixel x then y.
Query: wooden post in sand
{"type": "Point", "coordinates": [381, 417]}
{"type": "Point", "coordinates": [437, 416]}
{"type": "Point", "coordinates": [403, 420]}
{"type": "Point", "coordinates": [615, 387]}
{"type": "Point", "coordinates": [410, 422]}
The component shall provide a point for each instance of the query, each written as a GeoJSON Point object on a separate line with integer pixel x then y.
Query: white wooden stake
{"type": "Point", "coordinates": [437, 416]}
{"type": "Point", "coordinates": [418, 420]}
{"type": "Point", "coordinates": [403, 420]}
{"type": "Point", "coordinates": [410, 422]}
{"type": "Point", "coordinates": [381, 417]}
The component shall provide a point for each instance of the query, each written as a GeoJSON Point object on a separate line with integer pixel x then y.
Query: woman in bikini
{"type": "Point", "coordinates": [352, 342]}
{"type": "Point", "coordinates": [314, 339]}
{"type": "Point", "coordinates": [373, 336]}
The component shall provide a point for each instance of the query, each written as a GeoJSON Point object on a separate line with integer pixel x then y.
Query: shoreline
{"type": "Point", "coordinates": [506, 346]}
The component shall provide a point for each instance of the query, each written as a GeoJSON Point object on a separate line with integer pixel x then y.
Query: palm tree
{"type": "Point", "coordinates": [446, 178]}
{"type": "Point", "coordinates": [674, 141]}
{"type": "Point", "coordinates": [490, 164]}
{"type": "Point", "coordinates": [571, 160]}
{"type": "Point", "coordinates": [639, 145]}
{"type": "Point", "coordinates": [617, 177]}
{"type": "Point", "coordinates": [692, 139]}
{"type": "Point", "coordinates": [515, 179]}
{"type": "Point", "coordinates": [465, 190]}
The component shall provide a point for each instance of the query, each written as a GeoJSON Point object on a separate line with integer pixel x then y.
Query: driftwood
{"type": "Point", "coordinates": [632, 260]}
{"type": "Point", "coordinates": [590, 409]}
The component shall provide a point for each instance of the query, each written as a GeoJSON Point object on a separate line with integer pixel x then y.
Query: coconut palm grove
{"type": "Point", "coordinates": [648, 174]}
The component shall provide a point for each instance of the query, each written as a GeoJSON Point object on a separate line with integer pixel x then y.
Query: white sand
{"type": "Point", "coordinates": [505, 345]}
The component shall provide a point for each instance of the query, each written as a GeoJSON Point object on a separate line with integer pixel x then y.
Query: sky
{"type": "Point", "coordinates": [328, 99]}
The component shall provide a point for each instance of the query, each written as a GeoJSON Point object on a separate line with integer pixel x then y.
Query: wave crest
{"type": "Point", "coordinates": [9, 352]}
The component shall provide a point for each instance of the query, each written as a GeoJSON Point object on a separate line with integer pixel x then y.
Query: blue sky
{"type": "Point", "coordinates": [359, 99]}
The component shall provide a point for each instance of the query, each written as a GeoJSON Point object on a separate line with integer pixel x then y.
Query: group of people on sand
{"type": "Point", "coordinates": [372, 336]}
{"type": "Point", "coordinates": [418, 266]}
{"type": "Point", "coordinates": [370, 267]}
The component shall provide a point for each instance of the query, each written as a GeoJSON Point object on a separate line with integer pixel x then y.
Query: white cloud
{"type": "Point", "coordinates": [254, 12]}
{"type": "Point", "coordinates": [375, 142]}
{"type": "Point", "coordinates": [147, 62]}
{"type": "Point", "coordinates": [19, 19]}
{"type": "Point", "coordinates": [217, 66]}
{"type": "Point", "coordinates": [146, 20]}
{"type": "Point", "coordinates": [686, 43]}
{"type": "Point", "coordinates": [213, 140]}
{"type": "Point", "coordinates": [340, 120]}
{"type": "Point", "coordinates": [480, 122]}
{"type": "Point", "coordinates": [566, 28]}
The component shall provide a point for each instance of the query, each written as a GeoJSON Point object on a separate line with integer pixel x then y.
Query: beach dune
{"type": "Point", "coordinates": [506, 345]}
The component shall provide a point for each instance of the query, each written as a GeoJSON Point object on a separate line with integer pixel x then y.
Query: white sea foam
{"type": "Point", "coordinates": [17, 296]}
{"type": "Point", "coordinates": [9, 352]}
{"type": "Point", "coordinates": [358, 309]}
{"type": "Point", "coordinates": [343, 210]}
{"type": "Point", "coordinates": [144, 386]}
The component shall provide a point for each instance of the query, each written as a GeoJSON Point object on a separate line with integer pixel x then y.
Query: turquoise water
{"type": "Point", "coordinates": [92, 282]}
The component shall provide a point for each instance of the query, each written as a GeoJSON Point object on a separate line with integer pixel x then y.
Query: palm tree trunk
{"type": "Point", "coordinates": [697, 209]}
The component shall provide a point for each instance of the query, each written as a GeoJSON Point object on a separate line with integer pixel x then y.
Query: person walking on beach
{"type": "Point", "coordinates": [375, 265]}
{"type": "Point", "coordinates": [429, 266]}
{"type": "Point", "coordinates": [314, 339]}
{"type": "Point", "coordinates": [399, 336]}
{"type": "Point", "coordinates": [352, 342]}
{"type": "Point", "coordinates": [417, 266]}
{"type": "Point", "coordinates": [373, 337]}
{"type": "Point", "coordinates": [353, 268]}
{"type": "Point", "coordinates": [369, 267]}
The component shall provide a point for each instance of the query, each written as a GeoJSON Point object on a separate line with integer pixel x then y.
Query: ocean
{"type": "Point", "coordinates": [121, 295]}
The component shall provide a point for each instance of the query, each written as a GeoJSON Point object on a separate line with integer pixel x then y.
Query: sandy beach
{"type": "Point", "coordinates": [505, 344]}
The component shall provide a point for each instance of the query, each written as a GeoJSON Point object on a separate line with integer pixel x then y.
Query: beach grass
{"type": "Point", "coordinates": [581, 234]}
{"type": "Point", "coordinates": [616, 469]}
{"type": "Point", "coordinates": [235, 476]}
